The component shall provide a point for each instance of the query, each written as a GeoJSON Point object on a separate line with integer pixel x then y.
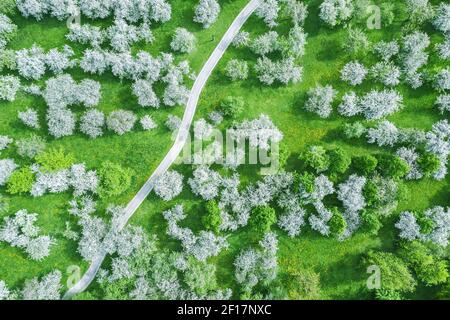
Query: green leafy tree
{"type": "Point", "coordinates": [394, 272]}
{"type": "Point", "coordinates": [429, 270]}
{"type": "Point", "coordinates": [212, 220]}
{"type": "Point", "coordinates": [384, 294]}
{"type": "Point", "coordinates": [262, 219]}
{"type": "Point", "coordinates": [200, 277]}
{"type": "Point", "coordinates": [337, 222]}
{"type": "Point", "coordinates": [232, 106]}
{"type": "Point", "coordinates": [371, 223]}
{"type": "Point", "coordinates": [370, 192]}
{"type": "Point", "coordinates": [339, 160]}
{"type": "Point", "coordinates": [7, 6]}
{"type": "Point", "coordinates": [114, 179]}
{"type": "Point", "coordinates": [304, 285]}
{"type": "Point", "coordinates": [305, 181]}
{"type": "Point", "coordinates": [54, 160]}
{"type": "Point", "coordinates": [428, 163]}
{"type": "Point", "coordinates": [316, 157]}
{"type": "Point", "coordinates": [392, 166]}
{"type": "Point", "coordinates": [20, 181]}
{"type": "Point", "coordinates": [365, 165]}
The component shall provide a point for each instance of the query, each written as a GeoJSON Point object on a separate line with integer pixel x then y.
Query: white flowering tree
{"type": "Point", "coordinates": [207, 12]}
{"type": "Point", "coordinates": [335, 12]}
{"type": "Point", "coordinates": [92, 123]}
{"type": "Point", "coordinates": [384, 134]}
{"type": "Point", "coordinates": [378, 104]}
{"type": "Point", "coordinates": [46, 288]}
{"type": "Point", "coordinates": [237, 69]}
{"type": "Point", "coordinates": [268, 11]}
{"type": "Point", "coordinates": [143, 90]}
{"type": "Point", "coordinates": [20, 231]}
{"type": "Point", "coordinates": [121, 121]}
{"type": "Point", "coordinates": [9, 85]}
{"type": "Point", "coordinates": [7, 167]}
{"type": "Point", "coordinates": [354, 73]}
{"type": "Point", "coordinates": [147, 123]}
{"type": "Point", "coordinates": [169, 185]}
{"type": "Point", "coordinates": [442, 20]}
{"type": "Point", "coordinates": [320, 100]}
{"type": "Point", "coordinates": [30, 118]}
{"type": "Point", "coordinates": [183, 41]}
{"type": "Point", "coordinates": [205, 183]}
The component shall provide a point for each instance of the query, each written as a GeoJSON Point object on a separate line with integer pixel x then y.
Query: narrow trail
{"type": "Point", "coordinates": [179, 143]}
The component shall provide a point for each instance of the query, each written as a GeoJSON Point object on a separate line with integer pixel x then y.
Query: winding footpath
{"type": "Point", "coordinates": [179, 143]}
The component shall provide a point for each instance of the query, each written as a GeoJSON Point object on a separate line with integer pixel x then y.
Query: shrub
{"type": "Point", "coordinates": [394, 272]}
{"type": "Point", "coordinates": [20, 181]}
{"type": "Point", "coordinates": [114, 179]}
{"type": "Point", "coordinates": [316, 157]}
{"type": "Point", "coordinates": [262, 218]}
{"type": "Point", "coordinates": [339, 160]}
{"type": "Point", "coordinates": [232, 106]}
{"type": "Point", "coordinates": [337, 222]}
{"type": "Point", "coordinates": [212, 219]}
{"type": "Point", "coordinates": [392, 166]}
{"type": "Point", "coordinates": [54, 160]}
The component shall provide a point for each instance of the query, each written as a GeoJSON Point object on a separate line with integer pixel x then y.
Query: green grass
{"type": "Point", "coordinates": [338, 263]}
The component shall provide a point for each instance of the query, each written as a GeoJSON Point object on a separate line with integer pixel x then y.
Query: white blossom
{"type": "Point", "coordinates": [354, 73]}
{"type": "Point", "coordinates": [169, 185]}
{"type": "Point", "coordinates": [206, 12]}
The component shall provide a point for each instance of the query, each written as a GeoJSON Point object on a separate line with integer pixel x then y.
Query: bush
{"type": "Point", "coordinates": [316, 157]}
{"type": "Point", "coordinates": [337, 222]}
{"type": "Point", "coordinates": [114, 179]}
{"type": "Point", "coordinates": [394, 272]}
{"type": "Point", "coordinates": [365, 165]}
{"type": "Point", "coordinates": [304, 285]}
{"type": "Point", "coordinates": [371, 224]}
{"type": "Point", "coordinates": [428, 163]}
{"type": "Point", "coordinates": [392, 166]}
{"type": "Point", "coordinates": [7, 6]}
{"type": "Point", "coordinates": [262, 218]}
{"type": "Point", "coordinates": [212, 219]}
{"type": "Point", "coordinates": [20, 181]}
{"type": "Point", "coordinates": [428, 269]}
{"type": "Point", "coordinates": [54, 160]}
{"type": "Point", "coordinates": [339, 160]}
{"type": "Point", "coordinates": [232, 106]}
